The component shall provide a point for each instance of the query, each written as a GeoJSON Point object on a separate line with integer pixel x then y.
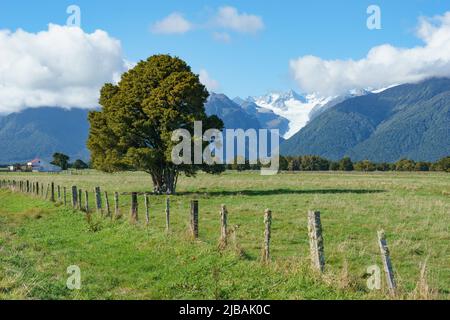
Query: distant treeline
{"type": "Point", "coordinates": [316, 163]}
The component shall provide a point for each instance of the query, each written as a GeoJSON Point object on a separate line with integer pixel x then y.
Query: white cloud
{"type": "Point", "coordinates": [383, 66]}
{"type": "Point", "coordinates": [230, 18]}
{"type": "Point", "coordinates": [222, 37]}
{"type": "Point", "coordinates": [62, 66]}
{"type": "Point", "coordinates": [207, 81]}
{"type": "Point", "coordinates": [175, 23]}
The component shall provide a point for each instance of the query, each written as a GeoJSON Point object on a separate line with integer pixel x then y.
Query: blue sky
{"type": "Point", "coordinates": [250, 64]}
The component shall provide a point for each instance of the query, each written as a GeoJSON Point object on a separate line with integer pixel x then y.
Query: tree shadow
{"type": "Point", "coordinates": [279, 192]}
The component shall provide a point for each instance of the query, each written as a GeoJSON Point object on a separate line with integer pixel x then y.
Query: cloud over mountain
{"type": "Point", "coordinates": [384, 65]}
{"type": "Point", "coordinates": [62, 66]}
{"type": "Point", "coordinates": [207, 81]}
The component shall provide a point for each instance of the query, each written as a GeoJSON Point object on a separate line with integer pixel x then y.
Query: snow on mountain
{"type": "Point", "coordinates": [319, 109]}
{"type": "Point", "coordinates": [299, 109]}
{"type": "Point", "coordinates": [292, 106]}
{"type": "Point", "coordinates": [384, 89]}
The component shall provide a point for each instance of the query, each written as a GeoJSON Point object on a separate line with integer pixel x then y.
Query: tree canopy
{"type": "Point", "coordinates": [80, 165]}
{"type": "Point", "coordinates": [133, 130]}
{"type": "Point", "coordinates": [60, 160]}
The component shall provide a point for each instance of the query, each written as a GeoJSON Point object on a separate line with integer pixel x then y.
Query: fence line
{"type": "Point", "coordinates": [315, 231]}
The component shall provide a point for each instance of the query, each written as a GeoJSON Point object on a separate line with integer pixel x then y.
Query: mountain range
{"type": "Point", "coordinates": [40, 132]}
{"type": "Point", "coordinates": [244, 114]}
{"type": "Point", "coordinates": [406, 121]}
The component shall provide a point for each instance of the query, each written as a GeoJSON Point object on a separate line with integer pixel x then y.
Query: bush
{"type": "Point", "coordinates": [405, 165]}
{"type": "Point", "coordinates": [79, 165]}
{"type": "Point", "coordinates": [443, 165]}
{"type": "Point", "coordinates": [314, 163]}
{"type": "Point", "coordinates": [294, 165]}
{"type": "Point", "coordinates": [284, 163]}
{"type": "Point", "coordinates": [384, 166]}
{"type": "Point", "coordinates": [334, 166]}
{"type": "Point", "coordinates": [365, 166]}
{"type": "Point", "coordinates": [422, 166]}
{"type": "Point", "coordinates": [346, 164]}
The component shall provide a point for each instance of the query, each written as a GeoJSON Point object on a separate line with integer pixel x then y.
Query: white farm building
{"type": "Point", "coordinates": [38, 165]}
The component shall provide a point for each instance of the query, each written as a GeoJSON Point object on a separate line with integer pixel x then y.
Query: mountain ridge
{"type": "Point", "coordinates": [406, 121]}
{"type": "Point", "coordinates": [39, 132]}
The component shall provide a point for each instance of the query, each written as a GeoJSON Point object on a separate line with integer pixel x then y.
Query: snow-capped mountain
{"type": "Point", "coordinates": [299, 109]}
{"type": "Point", "coordinates": [319, 109]}
{"type": "Point", "coordinates": [292, 106]}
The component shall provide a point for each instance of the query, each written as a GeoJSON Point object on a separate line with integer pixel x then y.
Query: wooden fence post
{"type": "Point", "coordinates": [194, 219]}
{"type": "Point", "coordinates": [47, 189]}
{"type": "Point", "coordinates": [316, 241]}
{"type": "Point", "coordinates": [147, 209]}
{"type": "Point", "coordinates": [223, 227]}
{"type": "Point", "coordinates": [116, 205]}
{"type": "Point", "coordinates": [74, 197]}
{"type": "Point", "coordinates": [52, 192]}
{"type": "Point", "coordinates": [98, 200]}
{"type": "Point", "coordinates": [134, 207]}
{"type": "Point", "coordinates": [80, 199]}
{"type": "Point", "coordinates": [387, 263]}
{"type": "Point", "coordinates": [86, 201]}
{"type": "Point", "coordinates": [65, 196]}
{"type": "Point", "coordinates": [167, 214]}
{"type": "Point", "coordinates": [107, 207]}
{"type": "Point", "coordinates": [267, 235]}
{"type": "Point", "coordinates": [59, 193]}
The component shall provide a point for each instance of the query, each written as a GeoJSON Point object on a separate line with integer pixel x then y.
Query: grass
{"type": "Point", "coordinates": [39, 240]}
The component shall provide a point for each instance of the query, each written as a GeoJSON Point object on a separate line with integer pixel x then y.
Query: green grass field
{"type": "Point", "coordinates": [39, 240]}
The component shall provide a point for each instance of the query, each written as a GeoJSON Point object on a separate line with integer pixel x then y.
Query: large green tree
{"type": "Point", "coordinates": [61, 160]}
{"type": "Point", "coordinates": [133, 130]}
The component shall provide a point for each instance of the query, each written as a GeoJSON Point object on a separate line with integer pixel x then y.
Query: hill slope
{"type": "Point", "coordinates": [407, 121]}
{"type": "Point", "coordinates": [41, 132]}
{"type": "Point", "coordinates": [233, 116]}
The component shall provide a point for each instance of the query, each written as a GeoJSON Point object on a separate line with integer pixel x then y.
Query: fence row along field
{"type": "Point", "coordinates": [183, 214]}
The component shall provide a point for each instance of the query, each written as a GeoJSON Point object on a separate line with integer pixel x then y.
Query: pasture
{"type": "Point", "coordinates": [119, 260]}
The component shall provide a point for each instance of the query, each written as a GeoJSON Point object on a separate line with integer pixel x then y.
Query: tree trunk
{"type": "Point", "coordinates": [165, 180]}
